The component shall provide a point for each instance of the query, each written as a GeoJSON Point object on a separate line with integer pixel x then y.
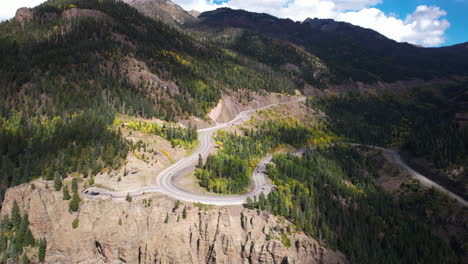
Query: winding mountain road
{"type": "Point", "coordinates": [396, 158]}
{"type": "Point", "coordinates": [164, 182]}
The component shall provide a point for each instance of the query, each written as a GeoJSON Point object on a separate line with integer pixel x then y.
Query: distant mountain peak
{"type": "Point", "coordinates": [163, 10]}
{"type": "Point", "coordinates": [194, 13]}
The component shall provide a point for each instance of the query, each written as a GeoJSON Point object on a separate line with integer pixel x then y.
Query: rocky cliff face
{"type": "Point", "coordinates": [78, 12]}
{"type": "Point", "coordinates": [164, 10]}
{"type": "Point", "coordinates": [24, 15]}
{"type": "Point", "coordinates": [136, 232]}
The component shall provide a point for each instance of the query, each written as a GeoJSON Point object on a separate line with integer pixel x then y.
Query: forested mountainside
{"type": "Point", "coordinates": [68, 67]}
{"type": "Point", "coordinates": [89, 85]}
{"type": "Point", "coordinates": [350, 52]}
{"type": "Point", "coordinates": [333, 192]}
{"type": "Point", "coordinates": [421, 122]}
{"type": "Point", "coordinates": [62, 42]}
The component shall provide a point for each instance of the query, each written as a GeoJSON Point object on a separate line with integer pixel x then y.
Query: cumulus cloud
{"type": "Point", "coordinates": [425, 26]}
{"type": "Point", "coordinates": [8, 8]}
{"type": "Point", "coordinates": [428, 27]}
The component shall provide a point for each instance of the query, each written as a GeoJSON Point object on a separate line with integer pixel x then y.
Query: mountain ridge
{"type": "Point", "coordinates": [356, 53]}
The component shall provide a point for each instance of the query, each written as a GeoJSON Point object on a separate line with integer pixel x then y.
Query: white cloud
{"type": "Point", "coordinates": [8, 7]}
{"type": "Point", "coordinates": [429, 28]}
{"type": "Point", "coordinates": [425, 26]}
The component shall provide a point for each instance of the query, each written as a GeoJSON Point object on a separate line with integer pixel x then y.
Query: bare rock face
{"type": "Point", "coordinates": [164, 10]}
{"type": "Point", "coordinates": [138, 71]}
{"type": "Point", "coordinates": [194, 13]}
{"type": "Point", "coordinates": [136, 232]}
{"type": "Point", "coordinates": [78, 12]}
{"type": "Point", "coordinates": [232, 104]}
{"type": "Point", "coordinates": [24, 15]}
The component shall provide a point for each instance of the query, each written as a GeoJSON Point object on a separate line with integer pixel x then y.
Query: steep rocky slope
{"type": "Point", "coordinates": [136, 232]}
{"type": "Point", "coordinates": [164, 10]}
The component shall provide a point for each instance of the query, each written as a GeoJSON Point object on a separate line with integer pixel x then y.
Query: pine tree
{"type": "Point", "coordinates": [262, 201]}
{"type": "Point", "coordinates": [66, 193]}
{"type": "Point", "coordinates": [42, 249]}
{"type": "Point", "coordinates": [75, 185]}
{"type": "Point", "coordinates": [128, 198]}
{"type": "Point", "coordinates": [28, 238]}
{"type": "Point", "coordinates": [21, 233]}
{"type": "Point", "coordinates": [3, 242]}
{"type": "Point", "coordinates": [184, 213]}
{"type": "Point", "coordinates": [200, 161]}
{"type": "Point", "coordinates": [6, 223]}
{"type": "Point", "coordinates": [167, 218]}
{"type": "Point", "coordinates": [58, 182]}
{"type": "Point", "coordinates": [16, 216]}
{"type": "Point", "coordinates": [48, 174]}
{"type": "Point", "coordinates": [12, 251]}
{"type": "Point", "coordinates": [249, 203]}
{"type": "Point", "coordinates": [75, 202]}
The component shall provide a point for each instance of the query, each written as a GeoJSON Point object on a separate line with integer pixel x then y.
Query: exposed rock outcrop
{"type": "Point", "coordinates": [231, 105]}
{"type": "Point", "coordinates": [137, 72]}
{"type": "Point", "coordinates": [164, 10]}
{"type": "Point", "coordinates": [136, 232]}
{"type": "Point", "coordinates": [78, 12]}
{"type": "Point", "coordinates": [194, 13]}
{"type": "Point", "coordinates": [24, 15]}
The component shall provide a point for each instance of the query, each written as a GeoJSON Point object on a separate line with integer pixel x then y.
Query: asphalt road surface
{"type": "Point", "coordinates": [165, 180]}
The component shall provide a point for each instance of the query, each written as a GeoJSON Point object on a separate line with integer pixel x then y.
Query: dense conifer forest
{"type": "Point", "coordinates": [34, 147]}
{"type": "Point", "coordinates": [420, 121]}
{"type": "Point", "coordinates": [65, 50]}
{"type": "Point", "coordinates": [63, 83]}
{"type": "Point", "coordinates": [331, 193]}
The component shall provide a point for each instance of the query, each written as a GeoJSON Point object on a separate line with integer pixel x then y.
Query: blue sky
{"type": "Point", "coordinates": [457, 15]}
{"type": "Point", "coordinates": [428, 23]}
